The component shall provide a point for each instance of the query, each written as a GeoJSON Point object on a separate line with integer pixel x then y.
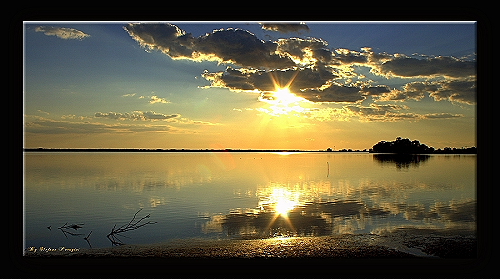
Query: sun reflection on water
{"type": "Point", "coordinates": [280, 200]}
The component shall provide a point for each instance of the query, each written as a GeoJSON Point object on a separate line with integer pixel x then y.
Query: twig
{"type": "Point", "coordinates": [65, 232]}
{"type": "Point", "coordinates": [113, 235]}
{"type": "Point", "coordinates": [87, 239]}
{"type": "Point", "coordinates": [72, 226]}
{"type": "Point", "coordinates": [64, 229]}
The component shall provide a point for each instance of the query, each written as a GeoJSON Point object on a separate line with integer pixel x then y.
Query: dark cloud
{"type": "Point", "coordinates": [334, 93]}
{"type": "Point", "coordinates": [305, 51]}
{"type": "Point", "coordinates": [390, 113]}
{"type": "Point", "coordinates": [376, 90]}
{"type": "Point", "coordinates": [373, 109]}
{"type": "Point", "coordinates": [455, 90]}
{"type": "Point", "coordinates": [463, 91]}
{"type": "Point", "coordinates": [230, 45]}
{"type": "Point", "coordinates": [412, 90]}
{"type": "Point", "coordinates": [285, 27]}
{"type": "Point", "coordinates": [267, 81]}
{"type": "Point", "coordinates": [166, 38]}
{"type": "Point", "coordinates": [438, 66]}
{"type": "Point", "coordinates": [136, 115]}
{"type": "Point", "coordinates": [416, 90]}
{"type": "Point", "coordinates": [345, 57]}
{"type": "Point", "coordinates": [295, 79]}
{"type": "Point", "coordinates": [242, 48]}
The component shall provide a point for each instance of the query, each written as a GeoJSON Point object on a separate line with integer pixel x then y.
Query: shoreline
{"type": "Point", "coordinates": [174, 150]}
{"type": "Point", "coordinates": [399, 245]}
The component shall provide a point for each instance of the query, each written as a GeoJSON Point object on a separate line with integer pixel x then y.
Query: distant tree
{"type": "Point", "coordinates": [329, 149]}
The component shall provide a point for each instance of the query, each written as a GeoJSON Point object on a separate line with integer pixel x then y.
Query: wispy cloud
{"type": "Point", "coordinates": [62, 32]}
{"type": "Point", "coordinates": [153, 99]}
{"type": "Point", "coordinates": [136, 115]}
{"type": "Point", "coordinates": [391, 113]}
{"type": "Point", "coordinates": [285, 27]}
{"type": "Point", "coordinates": [152, 116]}
{"type": "Point", "coordinates": [147, 121]}
{"type": "Point", "coordinates": [50, 126]}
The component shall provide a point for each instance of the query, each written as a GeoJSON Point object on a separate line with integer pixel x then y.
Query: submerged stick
{"type": "Point", "coordinates": [65, 229]}
{"type": "Point", "coordinates": [87, 239]}
{"type": "Point", "coordinates": [113, 235]}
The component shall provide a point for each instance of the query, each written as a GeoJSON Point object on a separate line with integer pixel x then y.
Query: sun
{"type": "Point", "coordinates": [283, 102]}
{"type": "Point", "coordinates": [285, 97]}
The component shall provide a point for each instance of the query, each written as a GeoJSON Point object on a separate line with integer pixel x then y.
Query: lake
{"type": "Point", "coordinates": [240, 195]}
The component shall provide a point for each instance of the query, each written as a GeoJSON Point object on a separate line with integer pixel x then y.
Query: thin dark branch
{"type": "Point", "coordinates": [65, 232]}
{"type": "Point", "coordinates": [72, 226]}
{"type": "Point", "coordinates": [112, 236]}
{"type": "Point", "coordinates": [87, 239]}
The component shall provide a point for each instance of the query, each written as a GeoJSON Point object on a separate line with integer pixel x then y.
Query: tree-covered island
{"type": "Point", "coordinates": [407, 146]}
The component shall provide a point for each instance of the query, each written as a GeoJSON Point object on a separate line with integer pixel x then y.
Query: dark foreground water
{"type": "Point", "coordinates": [75, 200]}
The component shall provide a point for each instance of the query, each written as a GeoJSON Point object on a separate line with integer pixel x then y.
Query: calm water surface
{"type": "Point", "coordinates": [241, 195]}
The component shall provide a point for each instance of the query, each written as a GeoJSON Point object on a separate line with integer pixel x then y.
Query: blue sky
{"type": "Point", "coordinates": [98, 84]}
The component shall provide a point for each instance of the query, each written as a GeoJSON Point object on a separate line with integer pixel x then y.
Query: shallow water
{"type": "Point", "coordinates": [241, 195]}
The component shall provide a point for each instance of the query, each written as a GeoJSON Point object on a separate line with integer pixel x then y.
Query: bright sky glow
{"type": "Point", "coordinates": [283, 102]}
{"type": "Point", "coordinates": [248, 85]}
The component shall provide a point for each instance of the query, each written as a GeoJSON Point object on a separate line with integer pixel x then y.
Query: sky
{"type": "Point", "coordinates": [248, 85]}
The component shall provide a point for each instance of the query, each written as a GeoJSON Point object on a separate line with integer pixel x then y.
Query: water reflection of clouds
{"type": "Point", "coordinates": [357, 195]}
{"type": "Point", "coordinates": [314, 216]}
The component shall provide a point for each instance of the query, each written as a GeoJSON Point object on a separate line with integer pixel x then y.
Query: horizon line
{"type": "Point", "coordinates": [193, 149]}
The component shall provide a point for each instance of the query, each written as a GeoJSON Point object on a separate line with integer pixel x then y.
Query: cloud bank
{"type": "Point", "coordinates": [314, 71]}
{"type": "Point", "coordinates": [62, 32]}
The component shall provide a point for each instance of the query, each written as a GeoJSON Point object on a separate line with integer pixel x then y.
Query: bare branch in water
{"type": "Point", "coordinates": [87, 239]}
{"type": "Point", "coordinates": [72, 226]}
{"type": "Point", "coordinates": [132, 225]}
{"type": "Point", "coordinates": [65, 229]}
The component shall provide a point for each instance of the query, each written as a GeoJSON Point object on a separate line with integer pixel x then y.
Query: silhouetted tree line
{"type": "Point", "coordinates": [407, 146]}
{"type": "Point", "coordinates": [463, 150]}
